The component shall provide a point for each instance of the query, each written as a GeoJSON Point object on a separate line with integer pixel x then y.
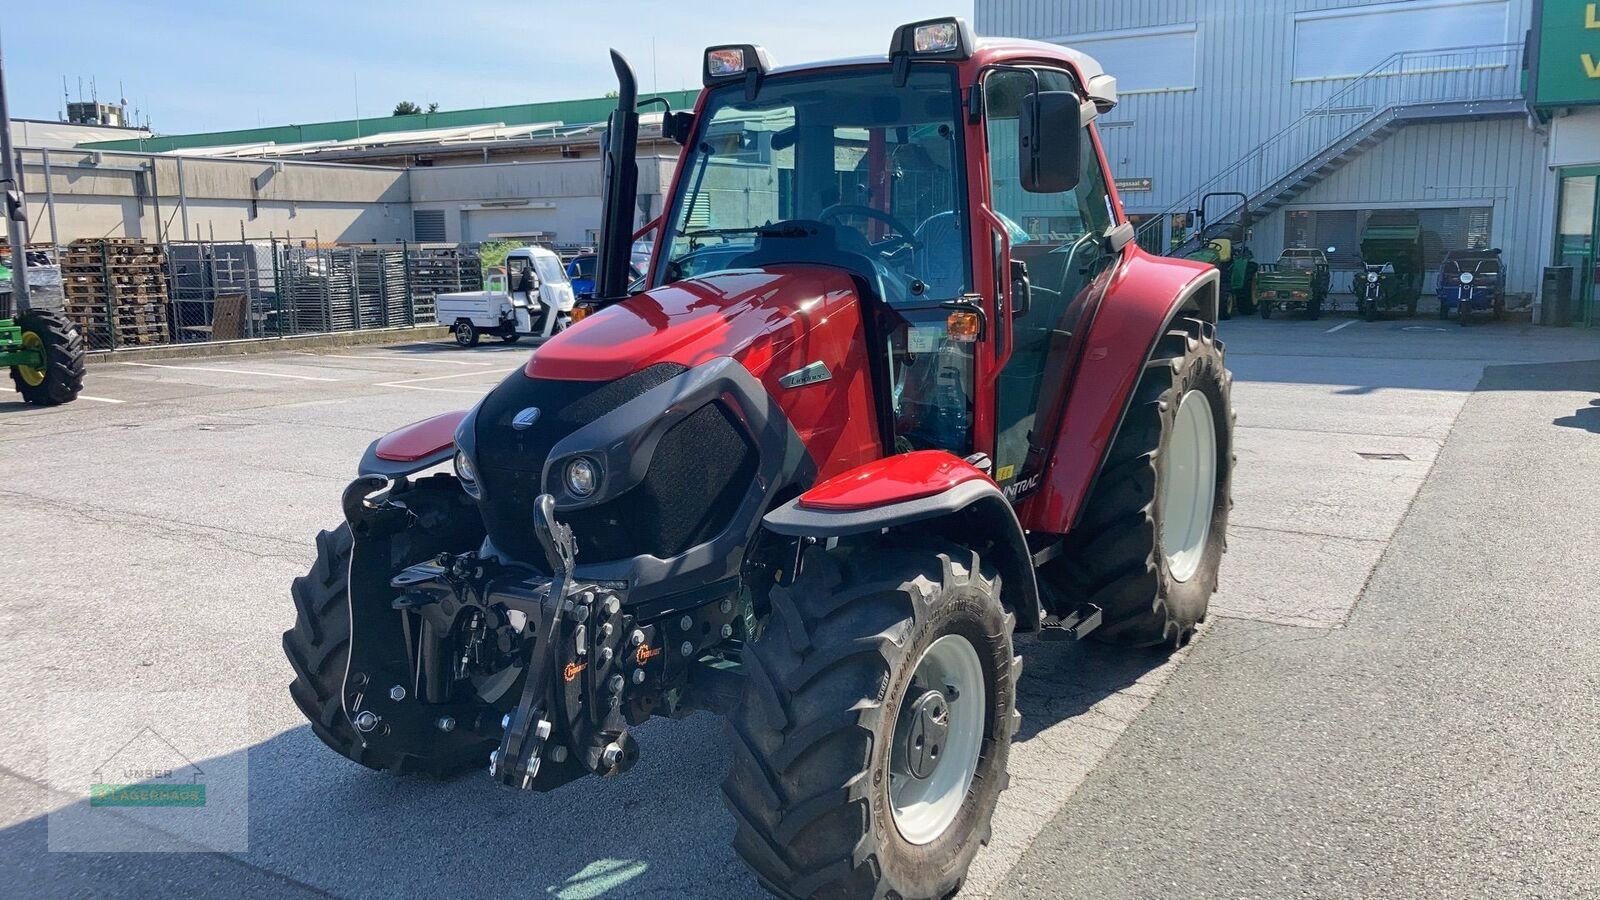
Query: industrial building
{"type": "Point", "coordinates": [1480, 115]}
{"type": "Point", "coordinates": [524, 172]}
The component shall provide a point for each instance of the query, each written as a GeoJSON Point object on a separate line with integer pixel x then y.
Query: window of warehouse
{"type": "Point", "coordinates": [1345, 43]}
{"type": "Point", "coordinates": [1144, 60]}
{"type": "Point", "coordinates": [1444, 228]}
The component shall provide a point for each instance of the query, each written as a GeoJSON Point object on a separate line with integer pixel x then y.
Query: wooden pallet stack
{"type": "Point", "coordinates": [115, 289]}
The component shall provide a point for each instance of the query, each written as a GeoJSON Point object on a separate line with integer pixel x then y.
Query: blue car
{"type": "Point", "coordinates": [1471, 281]}
{"type": "Point", "coordinates": [581, 273]}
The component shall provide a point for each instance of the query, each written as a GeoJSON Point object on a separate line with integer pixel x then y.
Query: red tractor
{"type": "Point", "coordinates": [897, 385]}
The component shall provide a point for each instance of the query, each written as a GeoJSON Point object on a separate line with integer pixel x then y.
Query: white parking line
{"type": "Point", "coordinates": [411, 384]}
{"type": "Point", "coordinates": [1342, 325]}
{"type": "Point", "coordinates": [395, 358]}
{"type": "Point", "coordinates": [100, 399]}
{"type": "Point", "coordinates": [229, 371]}
{"type": "Point", "coordinates": [409, 381]}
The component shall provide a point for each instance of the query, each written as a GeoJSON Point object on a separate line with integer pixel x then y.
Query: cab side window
{"type": "Point", "coordinates": [1058, 237]}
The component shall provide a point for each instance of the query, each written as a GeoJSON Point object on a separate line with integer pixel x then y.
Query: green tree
{"type": "Point", "coordinates": [406, 108]}
{"type": "Point", "coordinates": [433, 107]}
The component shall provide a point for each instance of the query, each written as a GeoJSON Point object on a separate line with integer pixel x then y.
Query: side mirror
{"type": "Point", "coordinates": [1049, 147]}
{"type": "Point", "coordinates": [675, 126]}
{"type": "Point", "coordinates": [1021, 289]}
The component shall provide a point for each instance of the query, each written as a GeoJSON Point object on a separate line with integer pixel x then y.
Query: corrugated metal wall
{"type": "Point", "coordinates": [1244, 94]}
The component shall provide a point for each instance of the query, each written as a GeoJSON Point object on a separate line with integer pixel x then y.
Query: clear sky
{"type": "Point", "coordinates": [209, 65]}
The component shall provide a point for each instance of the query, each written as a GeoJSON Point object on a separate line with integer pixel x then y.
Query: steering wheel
{"type": "Point", "coordinates": [887, 246]}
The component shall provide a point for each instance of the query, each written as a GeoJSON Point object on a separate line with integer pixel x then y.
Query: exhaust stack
{"type": "Point", "coordinates": [619, 151]}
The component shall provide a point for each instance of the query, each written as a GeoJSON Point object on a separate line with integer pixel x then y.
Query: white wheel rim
{"type": "Point", "coordinates": [924, 807]}
{"type": "Point", "coordinates": [1190, 486]}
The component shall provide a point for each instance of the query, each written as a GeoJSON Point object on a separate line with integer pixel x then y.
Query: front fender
{"type": "Point", "coordinates": [928, 491]}
{"type": "Point", "coordinates": [1141, 302]}
{"type": "Point", "coordinates": [413, 448]}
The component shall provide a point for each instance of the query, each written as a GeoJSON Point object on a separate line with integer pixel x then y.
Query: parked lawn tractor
{"type": "Point", "coordinates": [1224, 244]}
{"type": "Point", "coordinates": [43, 348]}
{"type": "Point", "coordinates": [1471, 282]}
{"type": "Point", "coordinates": [1391, 264]}
{"type": "Point", "coordinates": [816, 488]}
{"type": "Point", "coordinates": [1298, 280]}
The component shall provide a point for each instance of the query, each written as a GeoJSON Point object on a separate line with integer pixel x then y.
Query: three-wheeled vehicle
{"type": "Point", "coordinates": [1471, 281]}
{"type": "Point", "coordinates": [1391, 264]}
{"type": "Point", "coordinates": [1298, 280]}
{"type": "Point", "coordinates": [531, 297]}
{"type": "Point", "coordinates": [1224, 244]}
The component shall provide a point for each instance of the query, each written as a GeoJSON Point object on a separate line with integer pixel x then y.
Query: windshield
{"type": "Point", "coordinates": [869, 172]}
{"type": "Point", "coordinates": [549, 269]}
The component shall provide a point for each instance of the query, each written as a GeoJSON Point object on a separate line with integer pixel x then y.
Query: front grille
{"type": "Point", "coordinates": [701, 469]}
{"type": "Point", "coordinates": [511, 461]}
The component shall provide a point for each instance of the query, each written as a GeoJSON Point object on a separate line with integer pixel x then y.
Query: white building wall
{"type": "Point", "coordinates": [1259, 65]}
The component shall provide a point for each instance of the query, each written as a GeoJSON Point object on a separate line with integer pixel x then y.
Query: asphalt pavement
{"type": "Point", "coordinates": [1394, 695]}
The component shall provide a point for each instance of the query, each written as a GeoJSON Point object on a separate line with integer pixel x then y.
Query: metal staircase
{"type": "Point", "coordinates": [1408, 87]}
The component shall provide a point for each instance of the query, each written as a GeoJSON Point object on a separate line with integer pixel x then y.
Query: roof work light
{"type": "Point", "coordinates": [731, 61]}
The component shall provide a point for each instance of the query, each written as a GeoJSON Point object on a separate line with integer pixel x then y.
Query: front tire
{"type": "Point", "coordinates": [510, 338]}
{"type": "Point", "coordinates": [836, 683]}
{"type": "Point", "coordinates": [1151, 537]}
{"type": "Point", "coordinates": [318, 648]}
{"type": "Point", "coordinates": [61, 378]}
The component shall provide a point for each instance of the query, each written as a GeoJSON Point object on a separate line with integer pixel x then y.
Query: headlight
{"type": "Point", "coordinates": [583, 476]}
{"type": "Point", "coordinates": [1466, 277]}
{"type": "Point", "coordinates": [1371, 277]}
{"type": "Point", "coordinates": [467, 474]}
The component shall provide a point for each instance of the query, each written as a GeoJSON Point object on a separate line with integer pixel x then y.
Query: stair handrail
{"type": "Point", "coordinates": [1395, 60]}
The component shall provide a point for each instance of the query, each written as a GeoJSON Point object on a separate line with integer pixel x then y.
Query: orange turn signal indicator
{"type": "Point", "coordinates": [964, 326]}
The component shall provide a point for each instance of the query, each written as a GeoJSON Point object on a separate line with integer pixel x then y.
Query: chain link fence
{"type": "Point", "coordinates": [126, 293]}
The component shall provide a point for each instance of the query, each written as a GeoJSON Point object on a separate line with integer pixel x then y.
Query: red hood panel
{"type": "Point", "coordinates": [749, 314]}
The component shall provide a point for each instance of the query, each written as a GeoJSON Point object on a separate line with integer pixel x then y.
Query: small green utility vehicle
{"type": "Point", "coordinates": [1298, 280]}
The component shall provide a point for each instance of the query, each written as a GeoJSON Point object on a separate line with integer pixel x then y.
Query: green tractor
{"type": "Point", "coordinates": [1224, 244]}
{"type": "Point", "coordinates": [43, 349]}
{"type": "Point", "coordinates": [1391, 271]}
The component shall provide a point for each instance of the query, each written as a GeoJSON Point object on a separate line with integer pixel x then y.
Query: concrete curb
{"type": "Point", "coordinates": [274, 345]}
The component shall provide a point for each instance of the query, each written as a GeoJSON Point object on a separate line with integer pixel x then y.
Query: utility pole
{"type": "Point", "coordinates": [16, 206]}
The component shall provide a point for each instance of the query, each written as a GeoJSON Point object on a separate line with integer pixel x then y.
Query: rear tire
{"type": "Point", "coordinates": [815, 773]}
{"type": "Point", "coordinates": [61, 378]}
{"type": "Point", "coordinates": [467, 334]}
{"type": "Point", "coordinates": [318, 647]}
{"type": "Point", "coordinates": [1151, 594]}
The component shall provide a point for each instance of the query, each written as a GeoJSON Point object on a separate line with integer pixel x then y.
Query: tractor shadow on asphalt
{"type": "Point", "coordinates": [320, 825]}
{"type": "Point", "coordinates": [1064, 679]}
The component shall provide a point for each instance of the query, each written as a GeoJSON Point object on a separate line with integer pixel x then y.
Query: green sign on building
{"type": "Point", "coordinates": [1564, 54]}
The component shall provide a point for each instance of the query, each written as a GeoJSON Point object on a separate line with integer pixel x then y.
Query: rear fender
{"type": "Point", "coordinates": [928, 492]}
{"type": "Point", "coordinates": [1141, 303]}
{"type": "Point", "coordinates": [417, 446]}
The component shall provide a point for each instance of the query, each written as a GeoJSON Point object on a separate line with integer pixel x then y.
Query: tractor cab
{"type": "Point", "coordinates": [958, 192]}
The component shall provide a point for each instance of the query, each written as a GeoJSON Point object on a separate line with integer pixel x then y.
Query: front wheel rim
{"type": "Point", "coordinates": [33, 377]}
{"type": "Point", "coordinates": [1189, 489]}
{"type": "Point", "coordinates": [929, 778]}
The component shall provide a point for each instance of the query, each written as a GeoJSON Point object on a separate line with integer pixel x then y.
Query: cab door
{"type": "Point", "coordinates": [1060, 269]}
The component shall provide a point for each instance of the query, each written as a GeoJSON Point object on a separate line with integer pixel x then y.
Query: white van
{"type": "Point", "coordinates": [507, 308]}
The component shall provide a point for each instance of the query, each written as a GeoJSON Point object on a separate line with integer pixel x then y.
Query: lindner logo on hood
{"type": "Point", "coordinates": [525, 419]}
